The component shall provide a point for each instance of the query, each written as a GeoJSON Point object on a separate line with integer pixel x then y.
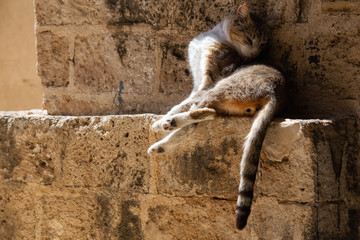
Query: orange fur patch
{"type": "Point", "coordinates": [239, 107]}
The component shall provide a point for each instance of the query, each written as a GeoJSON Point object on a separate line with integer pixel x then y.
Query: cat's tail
{"type": "Point", "coordinates": [250, 160]}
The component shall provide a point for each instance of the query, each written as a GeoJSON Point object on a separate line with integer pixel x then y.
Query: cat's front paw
{"type": "Point", "coordinates": [156, 149]}
{"type": "Point", "coordinates": [164, 125]}
{"type": "Point", "coordinates": [169, 124]}
{"type": "Point", "coordinates": [156, 127]}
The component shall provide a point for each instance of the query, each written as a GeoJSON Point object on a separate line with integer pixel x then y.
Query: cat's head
{"type": "Point", "coordinates": [246, 35]}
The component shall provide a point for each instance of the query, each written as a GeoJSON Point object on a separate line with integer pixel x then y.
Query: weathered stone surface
{"type": "Point", "coordinates": [299, 222]}
{"type": "Point", "coordinates": [17, 211]}
{"type": "Point", "coordinates": [69, 12]}
{"type": "Point", "coordinates": [122, 165]}
{"type": "Point", "coordinates": [205, 158]}
{"type": "Point", "coordinates": [29, 151]}
{"type": "Point", "coordinates": [137, 69]}
{"type": "Point", "coordinates": [175, 76]}
{"type": "Point", "coordinates": [77, 152]}
{"type": "Point", "coordinates": [314, 43]}
{"type": "Point", "coordinates": [94, 67]}
{"type": "Point", "coordinates": [53, 59]}
{"type": "Point", "coordinates": [347, 6]}
{"type": "Point", "coordinates": [90, 177]}
{"type": "Point", "coordinates": [188, 218]}
{"type": "Point", "coordinates": [124, 12]}
{"type": "Point", "coordinates": [60, 102]}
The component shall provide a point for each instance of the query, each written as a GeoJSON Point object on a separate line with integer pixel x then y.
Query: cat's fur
{"type": "Point", "coordinates": [218, 91]}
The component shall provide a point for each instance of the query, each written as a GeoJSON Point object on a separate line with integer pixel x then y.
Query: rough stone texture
{"type": "Point", "coordinates": [53, 53]}
{"type": "Point", "coordinates": [120, 56]}
{"type": "Point", "coordinates": [91, 178]}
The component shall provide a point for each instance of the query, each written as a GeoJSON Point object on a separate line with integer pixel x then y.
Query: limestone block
{"type": "Point", "coordinates": [298, 222]}
{"type": "Point", "coordinates": [138, 58]}
{"type": "Point", "coordinates": [175, 76]}
{"type": "Point", "coordinates": [107, 152]}
{"type": "Point", "coordinates": [188, 218]}
{"type": "Point", "coordinates": [72, 152]}
{"type": "Point", "coordinates": [88, 214]}
{"type": "Point", "coordinates": [155, 13]}
{"type": "Point", "coordinates": [17, 211]}
{"type": "Point", "coordinates": [62, 102]}
{"type": "Point", "coordinates": [200, 165]}
{"type": "Point", "coordinates": [53, 59]}
{"type": "Point", "coordinates": [96, 64]}
{"type": "Point", "coordinates": [30, 150]}
{"type": "Point", "coordinates": [90, 177]}
{"type": "Point", "coordinates": [347, 7]}
{"type": "Point", "coordinates": [76, 12]}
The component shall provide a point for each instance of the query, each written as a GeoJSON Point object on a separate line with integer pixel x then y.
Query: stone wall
{"type": "Point", "coordinates": [122, 56]}
{"type": "Point", "coordinates": [91, 178]}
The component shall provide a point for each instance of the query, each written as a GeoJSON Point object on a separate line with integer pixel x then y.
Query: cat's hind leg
{"type": "Point", "coordinates": [172, 122]}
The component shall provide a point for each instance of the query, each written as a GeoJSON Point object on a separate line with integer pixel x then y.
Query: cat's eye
{"type": "Point", "coordinates": [262, 45]}
{"type": "Point", "coordinates": [249, 40]}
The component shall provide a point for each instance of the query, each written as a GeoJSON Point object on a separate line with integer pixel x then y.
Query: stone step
{"type": "Point", "coordinates": [65, 177]}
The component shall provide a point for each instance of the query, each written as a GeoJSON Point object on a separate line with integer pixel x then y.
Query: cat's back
{"type": "Point", "coordinates": [251, 82]}
{"type": "Point", "coordinates": [257, 74]}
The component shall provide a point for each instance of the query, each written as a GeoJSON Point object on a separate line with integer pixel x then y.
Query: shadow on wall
{"type": "Point", "coordinates": [316, 47]}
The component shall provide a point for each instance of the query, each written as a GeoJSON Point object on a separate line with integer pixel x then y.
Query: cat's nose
{"type": "Point", "coordinates": [254, 54]}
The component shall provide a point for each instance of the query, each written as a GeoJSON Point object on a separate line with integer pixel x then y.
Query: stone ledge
{"type": "Point", "coordinates": [90, 177]}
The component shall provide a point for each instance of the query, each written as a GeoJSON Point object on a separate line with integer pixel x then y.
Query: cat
{"type": "Point", "coordinates": [225, 86]}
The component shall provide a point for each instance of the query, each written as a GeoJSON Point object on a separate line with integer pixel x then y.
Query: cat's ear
{"type": "Point", "coordinates": [243, 12]}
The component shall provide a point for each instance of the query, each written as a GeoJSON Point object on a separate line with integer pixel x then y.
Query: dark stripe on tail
{"type": "Point", "coordinates": [247, 194]}
{"type": "Point", "coordinates": [242, 213]}
{"type": "Point", "coordinates": [251, 176]}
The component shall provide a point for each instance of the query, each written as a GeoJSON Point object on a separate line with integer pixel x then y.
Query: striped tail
{"type": "Point", "coordinates": [250, 160]}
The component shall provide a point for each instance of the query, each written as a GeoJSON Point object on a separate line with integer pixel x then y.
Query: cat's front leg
{"type": "Point", "coordinates": [169, 123]}
{"type": "Point", "coordinates": [183, 119]}
{"type": "Point", "coordinates": [172, 122]}
{"type": "Point", "coordinates": [159, 148]}
{"type": "Point", "coordinates": [163, 124]}
{"type": "Point", "coordinates": [158, 125]}
{"type": "Point", "coordinates": [167, 143]}
{"type": "Point", "coordinates": [171, 141]}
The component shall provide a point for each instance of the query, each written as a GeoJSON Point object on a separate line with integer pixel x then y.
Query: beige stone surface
{"type": "Point", "coordinates": [20, 86]}
{"type": "Point", "coordinates": [53, 53]}
{"type": "Point", "coordinates": [130, 56]}
{"type": "Point", "coordinates": [89, 177]}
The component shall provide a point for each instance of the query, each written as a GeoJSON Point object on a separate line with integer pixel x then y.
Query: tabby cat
{"type": "Point", "coordinates": [224, 85]}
